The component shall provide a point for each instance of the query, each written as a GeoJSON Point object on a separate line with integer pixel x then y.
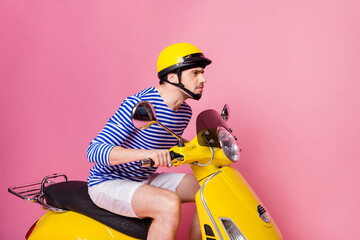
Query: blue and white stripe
{"type": "Point", "coordinates": [119, 131]}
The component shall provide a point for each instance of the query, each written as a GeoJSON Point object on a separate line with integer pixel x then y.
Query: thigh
{"type": "Point", "coordinates": [169, 181]}
{"type": "Point", "coordinates": [151, 201]}
{"type": "Point", "coordinates": [115, 196]}
{"type": "Point", "coordinates": [184, 185]}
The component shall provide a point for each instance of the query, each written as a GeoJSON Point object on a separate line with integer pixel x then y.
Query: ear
{"type": "Point", "coordinates": [173, 78]}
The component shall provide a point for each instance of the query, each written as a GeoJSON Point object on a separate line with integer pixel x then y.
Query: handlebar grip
{"type": "Point", "coordinates": [149, 162]}
{"type": "Point", "coordinates": [146, 162]}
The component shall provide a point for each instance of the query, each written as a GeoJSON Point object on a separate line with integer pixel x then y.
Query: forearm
{"type": "Point", "coordinates": [120, 155]}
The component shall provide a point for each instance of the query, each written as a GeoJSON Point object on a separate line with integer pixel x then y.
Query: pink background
{"type": "Point", "coordinates": [290, 71]}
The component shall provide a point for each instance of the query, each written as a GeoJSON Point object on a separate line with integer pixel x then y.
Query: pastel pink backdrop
{"type": "Point", "coordinates": [288, 69]}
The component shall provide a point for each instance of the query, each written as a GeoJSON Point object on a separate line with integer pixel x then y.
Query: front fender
{"type": "Point", "coordinates": [227, 195]}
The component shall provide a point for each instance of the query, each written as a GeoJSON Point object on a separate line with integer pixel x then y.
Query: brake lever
{"type": "Point", "coordinates": [177, 157]}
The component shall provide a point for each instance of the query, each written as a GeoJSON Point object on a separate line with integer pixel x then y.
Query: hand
{"type": "Point", "coordinates": [161, 157]}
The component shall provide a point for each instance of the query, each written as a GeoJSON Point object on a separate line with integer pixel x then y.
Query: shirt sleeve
{"type": "Point", "coordinates": [115, 132]}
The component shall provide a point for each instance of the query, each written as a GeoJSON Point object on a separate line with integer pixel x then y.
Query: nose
{"type": "Point", "coordinates": [202, 79]}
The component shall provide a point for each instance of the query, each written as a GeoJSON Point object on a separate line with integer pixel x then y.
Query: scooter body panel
{"type": "Point", "coordinates": [72, 225]}
{"type": "Point", "coordinates": [227, 195]}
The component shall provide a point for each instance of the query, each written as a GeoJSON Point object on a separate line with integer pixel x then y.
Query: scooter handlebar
{"type": "Point", "coordinates": [149, 162]}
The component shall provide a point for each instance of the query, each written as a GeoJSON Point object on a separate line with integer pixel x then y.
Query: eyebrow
{"type": "Point", "coordinates": [198, 70]}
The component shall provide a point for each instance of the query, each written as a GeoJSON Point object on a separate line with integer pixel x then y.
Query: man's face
{"type": "Point", "coordinates": [193, 79]}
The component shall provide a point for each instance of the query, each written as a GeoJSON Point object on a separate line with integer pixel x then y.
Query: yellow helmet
{"type": "Point", "coordinates": [180, 56]}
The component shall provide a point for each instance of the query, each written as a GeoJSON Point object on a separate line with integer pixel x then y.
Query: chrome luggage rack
{"type": "Point", "coordinates": [35, 192]}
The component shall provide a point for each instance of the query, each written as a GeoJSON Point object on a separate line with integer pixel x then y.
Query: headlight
{"type": "Point", "coordinates": [228, 144]}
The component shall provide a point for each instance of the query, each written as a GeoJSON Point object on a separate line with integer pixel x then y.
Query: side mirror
{"type": "Point", "coordinates": [225, 113]}
{"type": "Point", "coordinates": [143, 116]}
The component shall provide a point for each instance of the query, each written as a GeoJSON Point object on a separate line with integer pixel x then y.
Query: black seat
{"type": "Point", "coordinates": [73, 195]}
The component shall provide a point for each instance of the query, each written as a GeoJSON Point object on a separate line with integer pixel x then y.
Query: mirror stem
{"type": "Point", "coordinates": [181, 141]}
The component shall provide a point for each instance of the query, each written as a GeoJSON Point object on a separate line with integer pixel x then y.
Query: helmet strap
{"type": "Point", "coordinates": [193, 95]}
{"type": "Point", "coordinates": [180, 85]}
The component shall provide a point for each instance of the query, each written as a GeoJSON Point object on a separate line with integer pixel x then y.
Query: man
{"type": "Point", "coordinates": [117, 182]}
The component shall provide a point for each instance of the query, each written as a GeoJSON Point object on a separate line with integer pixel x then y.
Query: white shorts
{"type": "Point", "coordinates": [116, 195]}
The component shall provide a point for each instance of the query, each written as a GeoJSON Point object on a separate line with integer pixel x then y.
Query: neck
{"type": "Point", "coordinates": [171, 95]}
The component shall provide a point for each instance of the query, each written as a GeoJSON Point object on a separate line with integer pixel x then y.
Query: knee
{"type": "Point", "coordinates": [188, 188]}
{"type": "Point", "coordinates": [171, 205]}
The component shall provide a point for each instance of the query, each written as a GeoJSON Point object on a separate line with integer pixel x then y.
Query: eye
{"type": "Point", "coordinates": [198, 72]}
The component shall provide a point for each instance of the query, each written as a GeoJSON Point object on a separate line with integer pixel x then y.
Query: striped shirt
{"type": "Point", "coordinates": [119, 131]}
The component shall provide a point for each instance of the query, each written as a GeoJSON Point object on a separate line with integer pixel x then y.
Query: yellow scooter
{"type": "Point", "coordinates": [227, 206]}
